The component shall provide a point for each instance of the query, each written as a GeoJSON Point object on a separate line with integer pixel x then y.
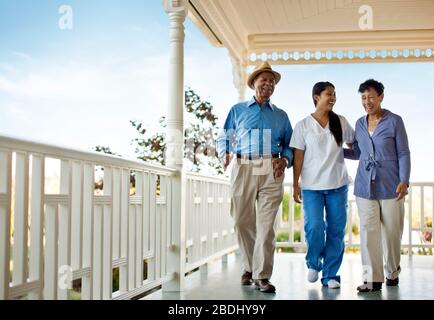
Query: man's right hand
{"type": "Point", "coordinates": [227, 158]}
{"type": "Point", "coordinates": [297, 193]}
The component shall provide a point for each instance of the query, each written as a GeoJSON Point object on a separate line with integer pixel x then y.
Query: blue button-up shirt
{"type": "Point", "coordinates": [254, 130]}
{"type": "Point", "coordinates": [384, 157]}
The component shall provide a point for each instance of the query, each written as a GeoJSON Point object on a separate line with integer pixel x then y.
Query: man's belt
{"type": "Point", "coordinates": [258, 156]}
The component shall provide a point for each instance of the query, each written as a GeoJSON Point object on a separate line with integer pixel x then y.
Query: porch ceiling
{"type": "Point", "coordinates": [317, 31]}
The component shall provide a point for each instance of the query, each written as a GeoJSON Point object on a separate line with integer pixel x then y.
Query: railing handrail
{"type": "Point", "coordinates": [412, 183]}
{"type": "Point", "coordinates": [207, 178]}
{"type": "Point", "coordinates": [60, 152]}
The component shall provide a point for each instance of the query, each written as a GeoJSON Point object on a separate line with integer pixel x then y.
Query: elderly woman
{"type": "Point", "coordinates": [318, 156]}
{"type": "Point", "coordinates": [381, 184]}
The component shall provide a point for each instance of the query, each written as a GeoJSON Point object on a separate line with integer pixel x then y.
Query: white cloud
{"type": "Point", "coordinates": [87, 103]}
{"type": "Point", "coordinates": [22, 55]}
{"type": "Point", "coordinates": [15, 111]}
{"type": "Point", "coordinates": [210, 76]}
{"type": "Point", "coordinates": [34, 85]}
{"type": "Point", "coordinates": [83, 102]}
{"type": "Point", "coordinates": [6, 68]}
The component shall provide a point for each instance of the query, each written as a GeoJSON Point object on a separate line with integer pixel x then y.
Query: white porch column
{"type": "Point", "coordinates": [176, 10]}
{"type": "Point", "coordinates": [239, 74]}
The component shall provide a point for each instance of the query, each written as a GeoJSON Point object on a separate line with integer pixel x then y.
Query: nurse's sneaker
{"type": "Point", "coordinates": [312, 275]}
{"type": "Point", "coordinates": [333, 284]}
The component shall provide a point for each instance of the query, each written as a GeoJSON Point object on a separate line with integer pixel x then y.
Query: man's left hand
{"type": "Point", "coordinates": [279, 166]}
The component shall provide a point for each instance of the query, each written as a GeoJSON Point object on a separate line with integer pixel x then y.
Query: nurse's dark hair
{"type": "Point", "coordinates": [334, 121]}
{"type": "Point", "coordinates": [371, 83]}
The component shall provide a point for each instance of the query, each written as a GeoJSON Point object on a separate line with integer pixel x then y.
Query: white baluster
{"type": "Point", "coordinates": [107, 269]}
{"type": "Point", "coordinates": [116, 213]}
{"type": "Point", "coordinates": [146, 213]}
{"type": "Point", "coordinates": [64, 220]}
{"type": "Point", "coordinates": [20, 267]}
{"type": "Point", "coordinates": [158, 230]}
{"type": "Point", "coordinates": [152, 221]}
{"type": "Point", "coordinates": [88, 209]}
{"type": "Point", "coordinates": [131, 246]}
{"type": "Point", "coordinates": [139, 230]}
{"type": "Point", "coordinates": [291, 213]}
{"type": "Point", "coordinates": [432, 213]}
{"type": "Point", "coordinates": [76, 215]}
{"type": "Point", "coordinates": [410, 224]}
{"type": "Point", "coordinates": [163, 212]}
{"type": "Point", "coordinates": [37, 225]}
{"type": "Point", "coordinates": [51, 249]}
{"type": "Point", "coordinates": [169, 212]}
{"type": "Point", "coordinates": [5, 221]}
{"type": "Point", "coordinates": [350, 223]}
{"type": "Point", "coordinates": [125, 192]}
{"type": "Point", "coordinates": [422, 208]}
{"type": "Point", "coordinates": [97, 251]}
{"type": "Point", "coordinates": [190, 205]}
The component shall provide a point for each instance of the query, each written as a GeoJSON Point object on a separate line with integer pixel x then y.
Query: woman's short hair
{"type": "Point", "coordinates": [371, 83]}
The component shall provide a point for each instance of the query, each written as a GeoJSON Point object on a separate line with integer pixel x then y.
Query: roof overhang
{"type": "Point", "coordinates": [318, 31]}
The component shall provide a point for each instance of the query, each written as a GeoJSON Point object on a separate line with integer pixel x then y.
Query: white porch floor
{"type": "Point", "coordinates": [222, 282]}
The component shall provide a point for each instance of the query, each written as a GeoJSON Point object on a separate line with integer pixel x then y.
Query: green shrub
{"type": "Point", "coordinates": [285, 206]}
{"type": "Point", "coordinates": [115, 282]}
{"type": "Point", "coordinates": [297, 236]}
{"type": "Point", "coordinates": [282, 236]}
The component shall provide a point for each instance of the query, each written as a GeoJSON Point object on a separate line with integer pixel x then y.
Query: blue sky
{"type": "Point", "coordinates": [80, 87]}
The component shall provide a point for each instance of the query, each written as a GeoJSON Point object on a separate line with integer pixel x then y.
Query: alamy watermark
{"type": "Point", "coordinates": [366, 21]}
{"type": "Point", "coordinates": [66, 20]}
{"type": "Point", "coordinates": [65, 277]}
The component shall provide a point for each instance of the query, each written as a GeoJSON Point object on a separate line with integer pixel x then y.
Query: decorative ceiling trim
{"type": "Point", "coordinates": [343, 56]}
{"type": "Point", "coordinates": [217, 19]}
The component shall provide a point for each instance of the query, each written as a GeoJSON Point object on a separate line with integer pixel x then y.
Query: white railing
{"type": "Point", "coordinates": [49, 239]}
{"type": "Point", "coordinates": [209, 227]}
{"type": "Point", "coordinates": [77, 233]}
{"type": "Point", "coordinates": [419, 216]}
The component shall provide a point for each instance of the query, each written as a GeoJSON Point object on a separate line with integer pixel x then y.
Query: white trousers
{"type": "Point", "coordinates": [381, 226]}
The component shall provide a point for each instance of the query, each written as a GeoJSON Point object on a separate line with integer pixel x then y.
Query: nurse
{"type": "Point", "coordinates": [319, 161]}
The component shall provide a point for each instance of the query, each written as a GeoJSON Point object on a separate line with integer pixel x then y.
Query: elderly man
{"type": "Point", "coordinates": [256, 137]}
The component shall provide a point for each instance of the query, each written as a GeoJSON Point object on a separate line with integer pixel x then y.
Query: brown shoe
{"type": "Point", "coordinates": [264, 285]}
{"type": "Point", "coordinates": [246, 279]}
{"type": "Point", "coordinates": [392, 282]}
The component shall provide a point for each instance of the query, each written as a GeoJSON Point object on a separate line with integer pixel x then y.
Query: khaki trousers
{"type": "Point", "coordinates": [381, 226]}
{"type": "Point", "coordinates": [255, 199]}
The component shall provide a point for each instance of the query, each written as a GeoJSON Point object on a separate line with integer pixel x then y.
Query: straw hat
{"type": "Point", "coordinates": [264, 67]}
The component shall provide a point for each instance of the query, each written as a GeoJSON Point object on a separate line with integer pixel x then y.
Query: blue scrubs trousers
{"type": "Point", "coordinates": [325, 233]}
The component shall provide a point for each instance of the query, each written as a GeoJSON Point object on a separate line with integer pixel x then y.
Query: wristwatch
{"type": "Point", "coordinates": [286, 160]}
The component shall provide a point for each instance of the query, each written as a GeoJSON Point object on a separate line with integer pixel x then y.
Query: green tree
{"type": "Point", "coordinates": [106, 150]}
{"type": "Point", "coordinates": [199, 138]}
{"type": "Point", "coordinates": [149, 149]}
